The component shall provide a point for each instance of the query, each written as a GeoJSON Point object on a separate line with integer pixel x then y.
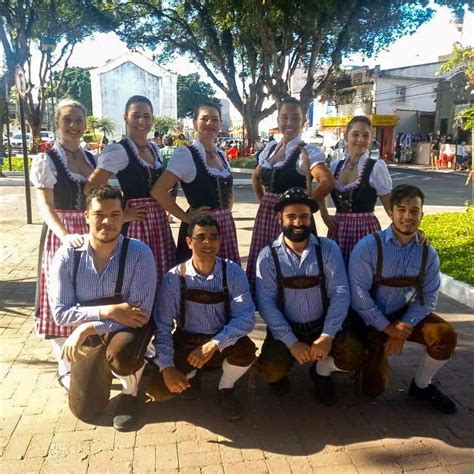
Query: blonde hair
{"type": "Point", "coordinates": [68, 102]}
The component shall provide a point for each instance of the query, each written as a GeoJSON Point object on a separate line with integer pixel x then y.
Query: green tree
{"type": "Point", "coordinates": [74, 83]}
{"type": "Point", "coordinates": [106, 126]}
{"type": "Point", "coordinates": [91, 128]}
{"type": "Point", "coordinates": [191, 91]}
{"type": "Point", "coordinates": [163, 123]}
{"type": "Point", "coordinates": [252, 48]}
{"type": "Point", "coordinates": [26, 27]}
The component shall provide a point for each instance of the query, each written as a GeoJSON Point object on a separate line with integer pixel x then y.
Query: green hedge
{"type": "Point", "coordinates": [452, 235]}
{"type": "Point", "coordinates": [249, 162]}
{"type": "Point", "coordinates": [17, 164]}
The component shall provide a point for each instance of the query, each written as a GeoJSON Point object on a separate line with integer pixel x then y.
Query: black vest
{"type": "Point", "coordinates": [136, 180]}
{"type": "Point", "coordinates": [206, 189]}
{"type": "Point", "coordinates": [68, 193]}
{"type": "Point", "coordinates": [278, 180]}
{"type": "Point", "coordinates": [360, 199]}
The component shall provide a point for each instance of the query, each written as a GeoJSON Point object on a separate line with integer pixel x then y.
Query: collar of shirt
{"type": "Point", "coordinates": [201, 148]}
{"type": "Point", "coordinates": [312, 241]}
{"type": "Point", "coordinates": [87, 247]}
{"type": "Point", "coordinates": [292, 144]}
{"type": "Point", "coordinates": [388, 235]}
{"type": "Point", "coordinates": [192, 272]}
{"type": "Point", "coordinates": [361, 162]}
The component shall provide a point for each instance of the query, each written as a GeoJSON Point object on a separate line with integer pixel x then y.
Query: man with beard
{"type": "Point", "coordinates": [105, 290]}
{"type": "Point", "coordinates": [395, 281]}
{"type": "Point", "coordinates": [303, 296]}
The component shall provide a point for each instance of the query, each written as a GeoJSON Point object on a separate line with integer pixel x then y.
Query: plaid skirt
{"type": "Point", "coordinates": [350, 228]}
{"type": "Point", "coordinates": [229, 247]}
{"type": "Point", "coordinates": [75, 223]}
{"type": "Point", "coordinates": [154, 231]}
{"type": "Point", "coordinates": [265, 230]}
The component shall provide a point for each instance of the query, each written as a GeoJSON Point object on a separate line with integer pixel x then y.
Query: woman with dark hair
{"type": "Point", "coordinates": [206, 180]}
{"type": "Point", "coordinates": [359, 180]}
{"type": "Point", "coordinates": [59, 176]}
{"type": "Point", "coordinates": [137, 164]}
{"type": "Point", "coordinates": [282, 166]}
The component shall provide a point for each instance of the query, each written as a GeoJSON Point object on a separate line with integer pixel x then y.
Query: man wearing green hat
{"type": "Point", "coordinates": [303, 296]}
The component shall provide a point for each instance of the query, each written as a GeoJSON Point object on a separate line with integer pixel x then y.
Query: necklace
{"type": "Point", "coordinates": [73, 154]}
{"type": "Point", "coordinates": [141, 147]}
{"type": "Point", "coordinates": [353, 166]}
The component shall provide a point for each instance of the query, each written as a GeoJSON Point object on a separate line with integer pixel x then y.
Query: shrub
{"type": "Point", "coordinates": [452, 235]}
{"type": "Point", "coordinates": [17, 164]}
{"type": "Point", "coordinates": [247, 162]}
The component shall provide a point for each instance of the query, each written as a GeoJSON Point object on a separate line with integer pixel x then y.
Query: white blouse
{"type": "Point", "coordinates": [43, 172]}
{"type": "Point", "coordinates": [316, 156]}
{"type": "Point", "coordinates": [182, 165]}
{"type": "Point", "coordinates": [114, 158]}
{"type": "Point", "coordinates": [379, 179]}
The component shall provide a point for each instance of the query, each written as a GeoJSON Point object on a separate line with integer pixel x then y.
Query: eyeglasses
{"type": "Point", "coordinates": [210, 238]}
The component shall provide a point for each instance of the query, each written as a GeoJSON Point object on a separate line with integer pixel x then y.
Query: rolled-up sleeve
{"type": "Point", "coordinates": [181, 164]}
{"type": "Point", "coordinates": [43, 172]}
{"type": "Point", "coordinates": [380, 178]}
{"type": "Point", "coordinates": [113, 159]}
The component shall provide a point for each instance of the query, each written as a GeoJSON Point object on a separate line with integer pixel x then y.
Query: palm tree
{"type": "Point", "coordinates": [107, 127]}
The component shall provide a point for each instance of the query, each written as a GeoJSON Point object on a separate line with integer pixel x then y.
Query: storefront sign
{"type": "Point", "coordinates": [384, 120]}
{"type": "Point", "coordinates": [343, 120]}
{"type": "Point", "coordinates": [340, 121]}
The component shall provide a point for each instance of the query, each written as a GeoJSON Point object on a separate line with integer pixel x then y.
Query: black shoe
{"type": "Point", "coordinates": [434, 396]}
{"type": "Point", "coordinates": [281, 387]}
{"type": "Point", "coordinates": [323, 387]}
{"type": "Point", "coordinates": [194, 390]}
{"type": "Point", "coordinates": [231, 407]}
{"type": "Point", "coordinates": [126, 412]}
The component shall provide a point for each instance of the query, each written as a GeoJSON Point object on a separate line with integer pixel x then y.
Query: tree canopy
{"type": "Point", "coordinates": [191, 91]}
{"type": "Point", "coordinates": [74, 83]}
{"type": "Point", "coordinates": [252, 48]}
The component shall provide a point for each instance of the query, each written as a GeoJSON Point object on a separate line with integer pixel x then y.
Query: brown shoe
{"type": "Point", "coordinates": [194, 390]}
{"type": "Point", "coordinates": [231, 407]}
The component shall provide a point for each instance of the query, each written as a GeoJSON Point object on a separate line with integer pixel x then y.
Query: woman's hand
{"type": "Point", "coordinates": [193, 213]}
{"type": "Point", "coordinates": [330, 221]}
{"type": "Point", "coordinates": [135, 213]}
{"type": "Point", "coordinates": [72, 240]}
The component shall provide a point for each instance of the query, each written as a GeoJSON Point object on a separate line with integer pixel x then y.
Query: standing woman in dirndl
{"type": "Point", "coordinates": [137, 164]}
{"type": "Point", "coordinates": [206, 180]}
{"type": "Point", "coordinates": [359, 180]}
{"type": "Point", "coordinates": [59, 176]}
{"type": "Point", "coordinates": [282, 166]}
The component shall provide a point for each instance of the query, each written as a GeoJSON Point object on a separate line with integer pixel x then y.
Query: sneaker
{"type": "Point", "coordinates": [231, 407]}
{"type": "Point", "coordinates": [280, 387]}
{"type": "Point", "coordinates": [434, 396]}
{"type": "Point", "coordinates": [126, 413]}
{"type": "Point", "coordinates": [64, 380]}
{"type": "Point", "coordinates": [323, 387]}
{"type": "Point", "coordinates": [194, 390]}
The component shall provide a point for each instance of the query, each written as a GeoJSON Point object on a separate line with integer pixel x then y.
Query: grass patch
{"type": "Point", "coordinates": [17, 164]}
{"type": "Point", "coordinates": [248, 162]}
{"type": "Point", "coordinates": [452, 235]}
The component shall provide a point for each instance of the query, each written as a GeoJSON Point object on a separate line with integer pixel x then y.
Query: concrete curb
{"type": "Point", "coordinates": [457, 290]}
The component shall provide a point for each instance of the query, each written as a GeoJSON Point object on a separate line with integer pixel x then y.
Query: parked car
{"type": "Point", "coordinates": [46, 136]}
{"type": "Point", "coordinates": [337, 151]}
{"type": "Point", "coordinates": [16, 141]}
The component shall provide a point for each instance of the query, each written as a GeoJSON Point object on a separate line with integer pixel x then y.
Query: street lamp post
{"type": "Point", "coordinates": [243, 77]}
{"type": "Point", "coordinates": [48, 45]}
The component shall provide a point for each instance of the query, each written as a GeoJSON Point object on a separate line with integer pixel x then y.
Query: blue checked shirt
{"type": "Point", "coordinates": [200, 318]}
{"type": "Point", "coordinates": [398, 260]}
{"type": "Point", "coordinates": [139, 284]}
{"type": "Point", "coordinates": [304, 305]}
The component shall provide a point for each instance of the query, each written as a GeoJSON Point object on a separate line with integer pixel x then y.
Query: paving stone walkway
{"type": "Point", "coordinates": [292, 434]}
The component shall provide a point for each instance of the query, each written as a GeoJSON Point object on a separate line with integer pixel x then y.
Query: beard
{"type": "Point", "coordinates": [289, 233]}
{"type": "Point", "coordinates": [405, 232]}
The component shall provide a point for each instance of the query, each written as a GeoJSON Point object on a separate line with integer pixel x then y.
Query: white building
{"type": "Point", "coordinates": [132, 74]}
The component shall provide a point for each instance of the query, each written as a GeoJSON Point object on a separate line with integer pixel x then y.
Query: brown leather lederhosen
{"type": "Point", "coordinates": [303, 331]}
{"type": "Point", "coordinates": [374, 376]}
{"type": "Point", "coordinates": [91, 373]}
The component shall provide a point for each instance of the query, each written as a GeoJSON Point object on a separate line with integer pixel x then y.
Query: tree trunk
{"type": "Point", "coordinates": [251, 128]}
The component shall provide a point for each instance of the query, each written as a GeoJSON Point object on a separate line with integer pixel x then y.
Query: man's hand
{"type": "Point", "coordinates": [202, 354]}
{"type": "Point", "coordinates": [175, 380]}
{"type": "Point", "coordinates": [321, 348]}
{"type": "Point", "coordinates": [125, 314]}
{"type": "Point", "coordinates": [72, 240]}
{"type": "Point", "coordinates": [301, 352]}
{"type": "Point", "coordinates": [134, 213]}
{"type": "Point", "coordinates": [72, 345]}
{"type": "Point", "coordinates": [399, 330]}
{"type": "Point", "coordinates": [394, 346]}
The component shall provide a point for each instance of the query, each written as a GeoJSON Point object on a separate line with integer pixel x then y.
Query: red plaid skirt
{"type": "Point", "coordinates": [265, 230]}
{"type": "Point", "coordinates": [350, 228]}
{"type": "Point", "coordinates": [75, 223]}
{"type": "Point", "coordinates": [229, 247]}
{"type": "Point", "coordinates": [155, 231]}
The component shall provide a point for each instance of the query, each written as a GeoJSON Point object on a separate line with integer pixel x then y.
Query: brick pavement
{"type": "Point", "coordinates": [291, 434]}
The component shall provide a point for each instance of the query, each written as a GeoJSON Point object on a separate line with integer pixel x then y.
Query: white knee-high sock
{"type": "Point", "coordinates": [327, 366]}
{"type": "Point", "coordinates": [230, 374]}
{"type": "Point", "coordinates": [64, 367]}
{"type": "Point", "coordinates": [130, 382]}
{"type": "Point", "coordinates": [427, 370]}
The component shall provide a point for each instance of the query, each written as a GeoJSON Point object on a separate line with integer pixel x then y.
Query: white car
{"type": "Point", "coordinates": [46, 136]}
{"type": "Point", "coordinates": [16, 141]}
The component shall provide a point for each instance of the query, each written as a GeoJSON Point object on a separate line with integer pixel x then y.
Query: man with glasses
{"type": "Point", "coordinates": [210, 300]}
